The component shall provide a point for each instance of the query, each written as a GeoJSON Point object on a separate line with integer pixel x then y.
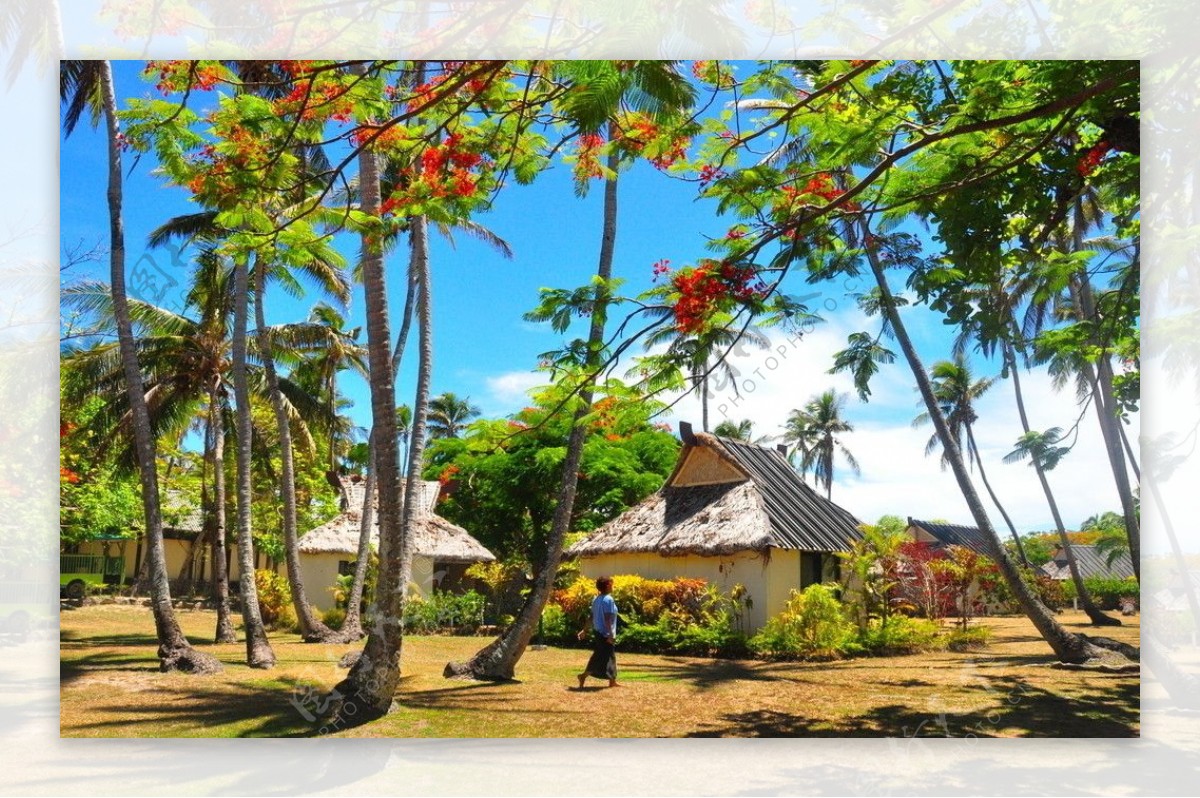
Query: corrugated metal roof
{"type": "Point", "coordinates": [1091, 562]}
{"type": "Point", "coordinates": [800, 517]}
{"type": "Point", "coordinates": [957, 535]}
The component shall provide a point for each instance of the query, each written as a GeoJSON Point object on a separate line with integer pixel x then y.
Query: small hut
{"type": "Point", "coordinates": [442, 551]}
{"type": "Point", "coordinates": [730, 513]}
{"type": "Point", "coordinates": [940, 535]}
{"type": "Point", "coordinates": [1091, 562]}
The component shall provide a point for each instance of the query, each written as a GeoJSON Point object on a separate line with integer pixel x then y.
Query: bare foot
{"type": "Point", "coordinates": [582, 678]}
{"type": "Point", "coordinates": [614, 684]}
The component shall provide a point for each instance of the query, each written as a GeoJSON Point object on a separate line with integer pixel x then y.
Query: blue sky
{"type": "Point", "coordinates": [484, 350]}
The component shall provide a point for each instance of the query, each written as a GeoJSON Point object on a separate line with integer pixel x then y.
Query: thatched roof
{"type": "Point", "coordinates": [723, 497]}
{"type": "Point", "coordinates": [435, 537]}
{"type": "Point", "coordinates": [1091, 562]}
{"type": "Point", "coordinates": [971, 537]}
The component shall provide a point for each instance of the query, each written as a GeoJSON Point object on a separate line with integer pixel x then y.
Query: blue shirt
{"type": "Point", "coordinates": [604, 605]}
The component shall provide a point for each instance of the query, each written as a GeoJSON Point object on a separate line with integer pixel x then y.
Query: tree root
{"type": "Point", "coordinates": [474, 671]}
{"type": "Point", "coordinates": [188, 660]}
{"type": "Point", "coordinates": [1098, 618]}
{"type": "Point", "coordinates": [1107, 643]}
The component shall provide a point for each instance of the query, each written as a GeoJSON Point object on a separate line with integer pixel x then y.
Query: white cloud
{"type": "Point", "coordinates": [509, 391]}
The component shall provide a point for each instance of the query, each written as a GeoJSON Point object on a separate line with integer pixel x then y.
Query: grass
{"type": "Point", "coordinates": [111, 687]}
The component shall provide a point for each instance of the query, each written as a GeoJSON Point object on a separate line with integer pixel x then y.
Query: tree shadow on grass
{"type": "Point", "coordinates": [73, 668]}
{"type": "Point", "coordinates": [231, 711]}
{"type": "Point", "coordinates": [138, 640]}
{"type": "Point", "coordinates": [707, 673]}
{"type": "Point", "coordinates": [1016, 709]}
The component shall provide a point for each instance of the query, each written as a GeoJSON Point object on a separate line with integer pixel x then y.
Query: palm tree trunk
{"type": "Point", "coordinates": [1067, 646]}
{"type": "Point", "coordinates": [220, 575]}
{"type": "Point", "coordinates": [1100, 380]}
{"type": "Point", "coordinates": [1133, 463]}
{"type": "Point", "coordinates": [368, 689]}
{"type": "Point", "coordinates": [1097, 617]}
{"type": "Point", "coordinates": [258, 648]}
{"type": "Point", "coordinates": [996, 499]}
{"type": "Point", "coordinates": [352, 625]}
{"type": "Point", "coordinates": [498, 660]}
{"type": "Point", "coordinates": [174, 651]}
{"type": "Point", "coordinates": [312, 630]}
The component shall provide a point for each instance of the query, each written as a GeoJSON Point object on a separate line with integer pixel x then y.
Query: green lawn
{"type": "Point", "coordinates": [111, 687]}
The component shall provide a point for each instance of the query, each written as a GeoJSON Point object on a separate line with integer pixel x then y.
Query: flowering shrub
{"type": "Point", "coordinates": [275, 600]}
{"type": "Point", "coordinates": [813, 626]}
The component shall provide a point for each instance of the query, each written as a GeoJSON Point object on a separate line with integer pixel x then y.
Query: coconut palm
{"type": "Point", "coordinates": [735, 430]}
{"type": "Point", "coordinates": [601, 90]}
{"type": "Point", "coordinates": [957, 390]}
{"type": "Point", "coordinates": [702, 355]}
{"type": "Point", "coordinates": [449, 415]}
{"type": "Point", "coordinates": [1067, 646]}
{"type": "Point", "coordinates": [813, 434]}
{"type": "Point", "coordinates": [88, 85]}
{"type": "Point", "coordinates": [186, 363]}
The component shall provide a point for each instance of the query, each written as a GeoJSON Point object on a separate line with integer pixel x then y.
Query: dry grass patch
{"type": "Point", "coordinates": [111, 687]}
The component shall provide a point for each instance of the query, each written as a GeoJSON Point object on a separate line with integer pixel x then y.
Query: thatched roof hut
{"type": "Point", "coordinates": [436, 538]}
{"type": "Point", "coordinates": [723, 497]}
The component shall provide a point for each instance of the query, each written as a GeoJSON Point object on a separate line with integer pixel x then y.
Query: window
{"type": "Point", "coordinates": [346, 567]}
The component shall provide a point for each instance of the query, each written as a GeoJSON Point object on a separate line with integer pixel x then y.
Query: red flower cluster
{"type": "Point", "coordinates": [447, 475]}
{"type": "Point", "coordinates": [588, 164]}
{"type": "Point", "coordinates": [702, 289]}
{"type": "Point", "coordinates": [443, 169]}
{"type": "Point", "coordinates": [177, 75]}
{"type": "Point", "coordinates": [67, 474]}
{"type": "Point", "coordinates": [709, 173]}
{"type": "Point", "coordinates": [1092, 158]}
{"type": "Point", "coordinates": [660, 267]}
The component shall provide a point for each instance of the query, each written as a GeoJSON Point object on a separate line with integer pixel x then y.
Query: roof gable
{"type": "Point", "coordinates": [951, 535]}
{"type": "Point", "coordinates": [726, 496]}
{"type": "Point", "coordinates": [704, 465]}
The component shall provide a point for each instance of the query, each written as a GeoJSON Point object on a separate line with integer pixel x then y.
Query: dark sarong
{"type": "Point", "coordinates": [603, 662]}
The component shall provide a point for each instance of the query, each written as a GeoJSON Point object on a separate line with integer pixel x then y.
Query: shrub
{"type": "Point", "coordinates": [1106, 591]}
{"type": "Point", "coordinates": [555, 628]}
{"type": "Point", "coordinates": [334, 617]}
{"type": "Point", "coordinates": [970, 639]}
{"type": "Point", "coordinates": [639, 601]}
{"type": "Point", "coordinates": [1050, 591]}
{"type": "Point", "coordinates": [444, 612]}
{"type": "Point", "coordinates": [814, 626]}
{"type": "Point", "coordinates": [900, 635]}
{"type": "Point", "coordinates": [275, 600]}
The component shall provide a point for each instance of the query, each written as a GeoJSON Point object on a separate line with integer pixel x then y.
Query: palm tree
{"type": "Point", "coordinates": [83, 85]}
{"type": "Point", "coordinates": [703, 354]}
{"type": "Point", "coordinates": [813, 433]}
{"type": "Point", "coordinates": [600, 90]}
{"type": "Point", "coordinates": [735, 430]}
{"type": "Point", "coordinates": [448, 415]}
{"type": "Point", "coordinates": [1044, 453]}
{"type": "Point", "coordinates": [319, 372]}
{"type": "Point", "coordinates": [404, 424]}
{"type": "Point", "coordinates": [1067, 646]}
{"type": "Point", "coordinates": [186, 362]}
{"type": "Point", "coordinates": [373, 678]}
{"type": "Point", "coordinates": [957, 390]}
